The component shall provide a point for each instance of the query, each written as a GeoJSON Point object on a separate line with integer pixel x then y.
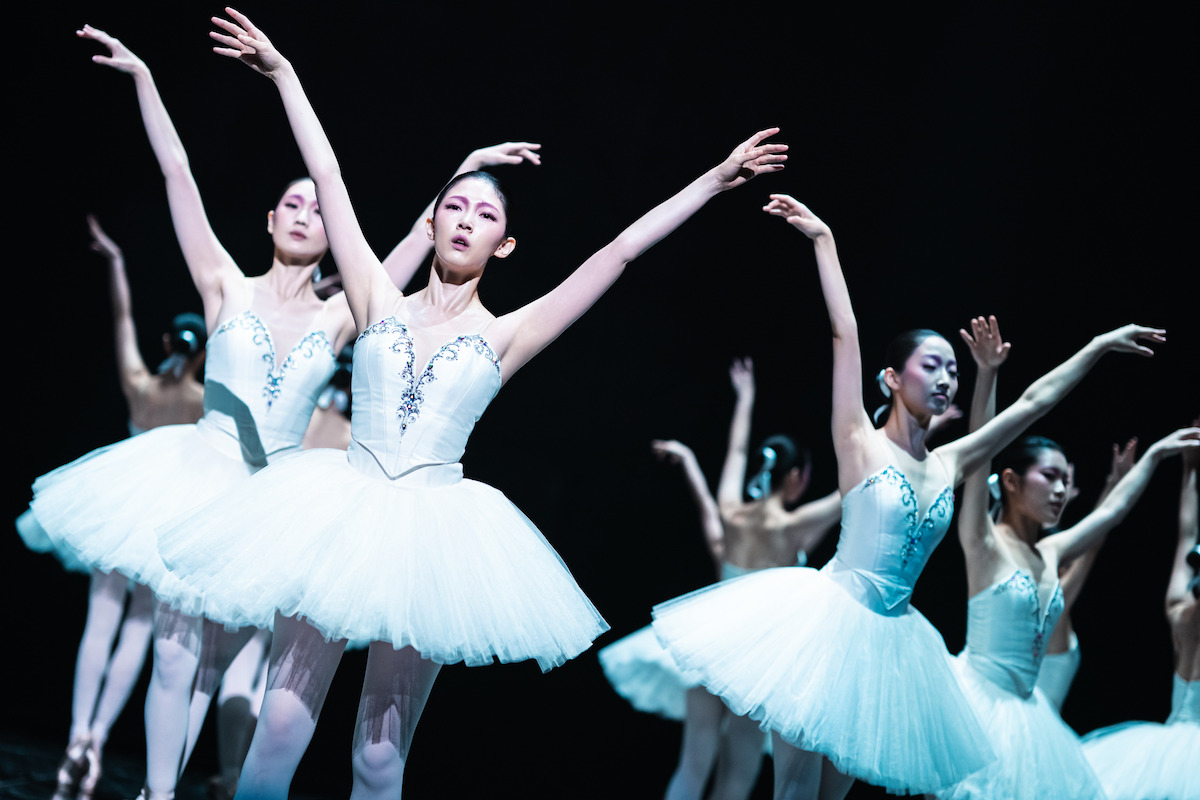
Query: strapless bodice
{"type": "Point", "coordinates": [886, 540]}
{"type": "Point", "coordinates": [253, 397]}
{"type": "Point", "coordinates": [415, 424]}
{"type": "Point", "coordinates": [1185, 701]}
{"type": "Point", "coordinates": [1008, 627]}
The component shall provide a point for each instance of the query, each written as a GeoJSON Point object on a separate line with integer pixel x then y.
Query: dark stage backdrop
{"type": "Point", "coordinates": [1029, 160]}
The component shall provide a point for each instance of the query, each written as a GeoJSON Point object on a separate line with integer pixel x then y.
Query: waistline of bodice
{"type": "Point", "coordinates": [872, 590]}
{"type": "Point", "coordinates": [415, 476]}
{"type": "Point", "coordinates": [220, 431]}
{"type": "Point", "coordinates": [1015, 681]}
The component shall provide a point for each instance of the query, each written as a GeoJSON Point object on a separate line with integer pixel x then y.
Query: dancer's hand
{"type": "Point", "coordinates": [670, 450]}
{"type": "Point", "coordinates": [505, 153]}
{"type": "Point", "coordinates": [1123, 459]}
{"type": "Point", "coordinates": [987, 346]}
{"type": "Point", "coordinates": [100, 241]}
{"type": "Point", "coordinates": [741, 375]}
{"type": "Point", "coordinates": [1128, 339]}
{"type": "Point", "coordinates": [120, 57]}
{"type": "Point", "coordinates": [246, 43]}
{"type": "Point", "coordinates": [751, 158]}
{"type": "Point", "coordinates": [797, 215]}
{"type": "Point", "coordinates": [1182, 441]}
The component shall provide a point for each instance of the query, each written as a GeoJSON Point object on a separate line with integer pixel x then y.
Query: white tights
{"type": "Point", "coordinates": [714, 735]}
{"type": "Point", "coordinates": [104, 675]}
{"type": "Point", "coordinates": [395, 688]}
{"type": "Point", "coordinates": [804, 775]}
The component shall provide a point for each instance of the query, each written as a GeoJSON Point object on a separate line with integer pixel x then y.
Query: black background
{"type": "Point", "coordinates": [1029, 160]}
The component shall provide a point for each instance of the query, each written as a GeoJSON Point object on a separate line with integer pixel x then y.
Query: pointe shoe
{"type": "Point", "coordinates": [72, 769]}
{"type": "Point", "coordinates": [91, 778]}
{"type": "Point", "coordinates": [146, 794]}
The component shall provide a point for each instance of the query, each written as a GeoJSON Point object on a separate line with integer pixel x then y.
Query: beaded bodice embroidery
{"type": "Point", "coordinates": [1008, 628]}
{"type": "Point", "coordinates": [407, 419]}
{"type": "Point", "coordinates": [886, 540]}
{"type": "Point", "coordinates": [250, 394]}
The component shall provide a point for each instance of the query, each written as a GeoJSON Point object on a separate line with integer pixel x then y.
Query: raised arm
{"type": "Point", "coordinates": [363, 278]}
{"type": "Point", "coordinates": [733, 473]}
{"type": "Point", "coordinates": [1178, 594]}
{"type": "Point", "coordinates": [809, 524]}
{"type": "Point", "coordinates": [410, 253]}
{"type": "Point", "coordinates": [975, 449]}
{"type": "Point", "coordinates": [131, 369]}
{"type": "Point", "coordinates": [1089, 531]}
{"type": "Point", "coordinates": [206, 258]}
{"type": "Point", "coordinates": [710, 517]}
{"type": "Point", "coordinates": [529, 329]}
{"type": "Point", "coordinates": [851, 426]}
{"type": "Point", "coordinates": [989, 351]}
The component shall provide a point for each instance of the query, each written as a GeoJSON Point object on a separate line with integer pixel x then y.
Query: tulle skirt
{"type": "Point", "coordinates": [1146, 760]}
{"type": "Point", "coordinates": [101, 510]}
{"type": "Point", "coordinates": [645, 674]}
{"type": "Point", "coordinates": [36, 539]}
{"type": "Point", "coordinates": [448, 566]}
{"type": "Point", "coordinates": [1038, 756]}
{"type": "Point", "coordinates": [875, 694]}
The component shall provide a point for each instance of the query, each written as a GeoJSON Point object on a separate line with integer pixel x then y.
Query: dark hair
{"type": "Point", "coordinates": [787, 456]}
{"type": "Point", "coordinates": [481, 175]}
{"type": "Point", "coordinates": [1023, 454]}
{"type": "Point", "coordinates": [188, 334]}
{"type": "Point", "coordinates": [287, 188]}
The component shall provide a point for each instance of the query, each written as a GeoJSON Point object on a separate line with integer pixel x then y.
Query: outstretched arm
{"type": "Point", "coordinates": [1089, 531]}
{"type": "Point", "coordinates": [808, 525]}
{"type": "Point", "coordinates": [1073, 575]}
{"type": "Point", "coordinates": [710, 517]}
{"type": "Point", "coordinates": [206, 259]}
{"type": "Point", "coordinates": [1178, 596]}
{"type": "Point", "coordinates": [529, 329]}
{"type": "Point", "coordinates": [852, 428]}
{"type": "Point", "coordinates": [410, 253]}
{"type": "Point", "coordinates": [989, 351]}
{"type": "Point", "coordinates": [131, 369]}
{"type": "Point", "coordinates": [975, 449]}
{"type": "Point", "coordinates": [363, 278]}
{"type": "Point", "coordinates": [733, 473]}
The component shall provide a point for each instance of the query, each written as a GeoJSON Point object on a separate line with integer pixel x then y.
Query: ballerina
{"type": "Point", "coordinates": [769, 530]}
{"type": "Point", "coordinates": [427, 566]}
{"type": "Point", "coordinates": [272, 346]}
{"type": "Point", "coordinates": [1013, 568]}
{"type": "Point", "coordinates": [852, 681]}
{"type": "Point", "coordinates": [1148, 759]}
{"type": "Point", "coordinates": [120, 612]}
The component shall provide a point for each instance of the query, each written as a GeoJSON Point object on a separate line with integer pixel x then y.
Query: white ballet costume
{"type": "Point", "coordinates": [835, 660]}
{"type": "Point", "coordinates": [400, 547]}
{"type": "Point", "coordinates": [1058, 673]}
{"type": "Point", "coordinates": [102, 509]}
{"type": "Point", "coordinates": [1152, 760]}
{"type": "Point", "coordinates": [1008, 626]}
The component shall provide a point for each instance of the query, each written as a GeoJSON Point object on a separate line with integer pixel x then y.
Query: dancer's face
{"type": "Point", "coordinates": [1040, 493]}
{"type": "Point", "coordinates": [469, 225]}
{"type": "Point", "coordinates": [929, 380]}
{"type": "Point", "coordinates": [296, 225]}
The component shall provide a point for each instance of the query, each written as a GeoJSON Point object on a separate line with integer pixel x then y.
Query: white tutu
{"type": "Point", "coordinates": [646, 675]}
{"type": "Point", "coordinates": [1038, 755]}
{"type": "Point", "coordinates": [873, 693]}
{"type": "Point", "coordinates": [446, 565]}
{"type": "Point", "coordinates": [1146, 760]}
{"type": "Point", "coordinates": [36, 539]}
{"type": "Point", "coordinates": [102, 509]}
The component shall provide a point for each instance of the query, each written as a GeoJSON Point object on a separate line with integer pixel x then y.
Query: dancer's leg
{"type": "Point", "coordinates": [125, 665]}
{"type": "Point", "coordinates": [834, 785]}
{"type": "Point", "coordinates": [739, 759]}
{"type": "Point", "coordinates": [219, 649]}
{"type": "Point", "coordinates": [395, 689]}
{"type": "Point", "coordinates": [698, 752]}
{"type": "Point", "coordinates": [177, 639]}
{"type": "Point", "coordinates": [302, 668]}
{"type": "Point", "coordinates": [797, 772]}
{"type": "Point", "coordinates": [106, 606]}
{"type": "Point", "coordinates": [238, 702]}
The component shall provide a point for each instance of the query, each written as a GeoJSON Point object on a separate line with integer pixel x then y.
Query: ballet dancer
{"type": "Point", "coordinates": [769, 530]}
{"type": "Point", "coordinates": [272, 348]}
{"type": "Point", "coordinates": [1015, 597]}
{"type": "Point", "coordinates": [1148, 759]}
{"type": "Point", "coordinates": [119, 612]}
{"type": "Point", "coordinates": [427, 566]}
{"type": "Point", "coordinates": [852, 681]}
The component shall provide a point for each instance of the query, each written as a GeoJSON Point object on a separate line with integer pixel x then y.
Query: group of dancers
{"type": "Point", "coordinates": [242, 588]}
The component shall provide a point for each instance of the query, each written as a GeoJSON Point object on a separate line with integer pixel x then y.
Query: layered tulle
{"type": "Point", "coordinates": [101, 510]}
{"type": "Point", "coordinates": [645, 674]}
{"type": "Point", "coordinates": [1038, 756]}
{"type": "Point", "coordinates": [873, 693]}
{"type": "Point", "coordinates": [36, 539]}
{"type": "Point", "coordinates": [451, 568]}
{"type": "Point", "coordinates": [1143, 760]}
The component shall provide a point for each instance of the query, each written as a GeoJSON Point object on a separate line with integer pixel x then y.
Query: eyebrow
{"type": "Point", "coordinates": [465, 201]}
